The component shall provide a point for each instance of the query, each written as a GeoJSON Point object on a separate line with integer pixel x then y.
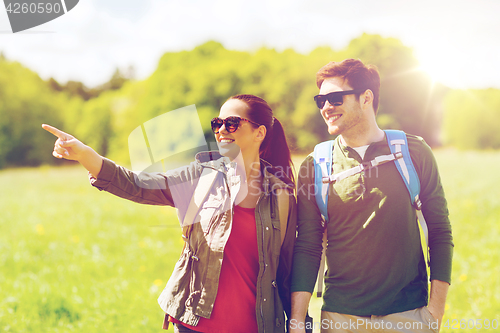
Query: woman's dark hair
{"type": "Point", "coordinates": [274, 149]}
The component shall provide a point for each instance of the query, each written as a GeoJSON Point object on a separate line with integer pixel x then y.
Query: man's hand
{"type": "Point", "coordinates": [70, 148]}
{"type": "Point", "coordinates": [437, 301]}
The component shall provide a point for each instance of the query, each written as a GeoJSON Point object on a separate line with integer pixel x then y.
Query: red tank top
{"type": "Point", "coordinates": [234, 307]}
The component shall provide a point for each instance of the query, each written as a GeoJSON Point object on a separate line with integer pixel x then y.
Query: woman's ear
{"type": "Point", "coordinates": [260, 133]}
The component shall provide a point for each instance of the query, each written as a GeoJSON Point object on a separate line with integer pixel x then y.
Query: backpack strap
{"type": "Point", "coordinates": [398, 143]}
{"type": "Point", "coordinates": [322, 169]}
{"type": "Point", "coordinates": [379, 160]}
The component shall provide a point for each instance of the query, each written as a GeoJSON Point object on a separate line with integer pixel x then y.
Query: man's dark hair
{"type": "Point", "coordinates": [356, 74]}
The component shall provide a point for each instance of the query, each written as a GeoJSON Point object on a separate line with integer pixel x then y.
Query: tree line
{"type": "Point", "coordinates": [103, 117]}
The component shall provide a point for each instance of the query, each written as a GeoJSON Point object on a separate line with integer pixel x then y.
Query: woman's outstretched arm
{"type": "Point", "coordinates": [171, 189]}
{"type": "Point", "coordinates": [70, 148]}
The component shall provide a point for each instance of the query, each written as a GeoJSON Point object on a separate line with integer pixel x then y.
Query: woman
{"type": "Point", "coordinates": [238, 217]}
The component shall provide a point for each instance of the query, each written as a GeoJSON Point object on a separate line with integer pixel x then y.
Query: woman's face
{"type": "Point", "coordinates": [246, 137]}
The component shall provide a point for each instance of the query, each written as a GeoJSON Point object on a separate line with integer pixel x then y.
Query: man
{"type": "Point", "coordinates": [376, 278]}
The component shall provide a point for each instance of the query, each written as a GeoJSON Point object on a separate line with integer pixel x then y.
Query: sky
{"type": "Point", "coordinates": [455, 41]}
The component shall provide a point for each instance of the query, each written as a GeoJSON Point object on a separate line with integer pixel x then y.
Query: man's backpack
{"type": "Point", "coordinates": [400, 154]}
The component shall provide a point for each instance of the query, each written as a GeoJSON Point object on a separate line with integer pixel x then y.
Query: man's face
{"type": "Point", "coordinates": [340, 118]}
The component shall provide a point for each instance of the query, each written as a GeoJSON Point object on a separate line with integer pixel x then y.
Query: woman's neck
{"type": "Point", "coordinates": [248, 167]}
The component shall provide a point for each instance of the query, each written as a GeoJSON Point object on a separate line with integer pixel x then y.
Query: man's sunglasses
{"type": "Point", "coordinates": [335, 98]}
{"type": "Point", "coordinates": [231, 123]}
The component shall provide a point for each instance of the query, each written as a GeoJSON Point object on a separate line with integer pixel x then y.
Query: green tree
{"type": "Point", "coordinates": [206, 76]}
{"type": "Point", "coordinates": [25, 103]}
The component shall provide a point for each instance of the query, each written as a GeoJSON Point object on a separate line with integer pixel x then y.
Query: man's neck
{"type": "Point", "coordinates": [362, 138]}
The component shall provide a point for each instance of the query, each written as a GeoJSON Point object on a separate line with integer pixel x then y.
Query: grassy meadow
{"type": "Point", "coordinates": [74, 259]}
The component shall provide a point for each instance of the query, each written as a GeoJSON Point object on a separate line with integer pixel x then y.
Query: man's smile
{"type": "Point", "coordinates": [332, 118]}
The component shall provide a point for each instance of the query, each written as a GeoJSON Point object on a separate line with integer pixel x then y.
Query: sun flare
{"type": "Point", "coordinates": [442, 66]}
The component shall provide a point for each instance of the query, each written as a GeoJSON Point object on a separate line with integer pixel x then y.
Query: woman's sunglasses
{"type": "Point", "coordinates": [231, 123]}
{"type": "Point", "coordinates": [335, 98]}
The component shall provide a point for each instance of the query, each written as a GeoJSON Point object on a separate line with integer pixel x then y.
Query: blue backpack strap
{"type": "Point", "coordinates": [322, 168]}
{"type": "Point", "coordinates": [398, 143]}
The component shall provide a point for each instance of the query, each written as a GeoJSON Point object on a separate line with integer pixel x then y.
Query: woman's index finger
{"type": "Point", "coordinates": [60, 134]}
